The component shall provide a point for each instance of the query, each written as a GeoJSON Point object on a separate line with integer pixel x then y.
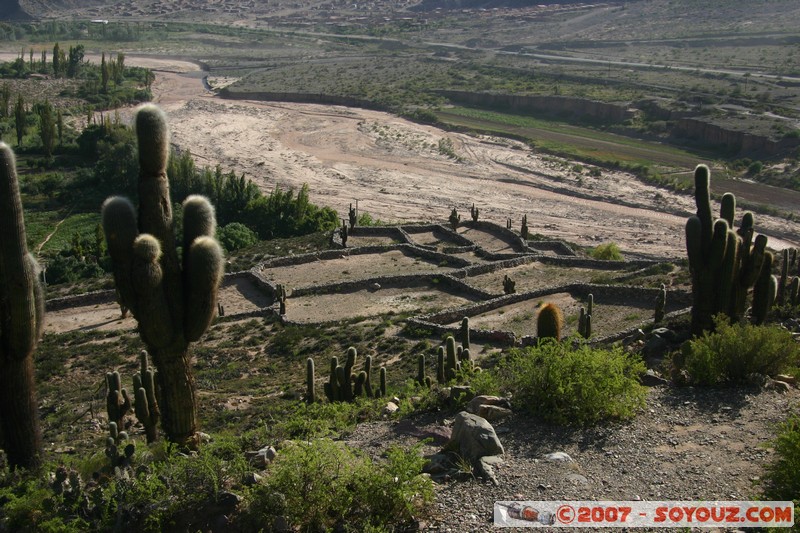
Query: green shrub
{"type": "Point", "coordinates": [607, 252]}
{"type": "Point", "coordinates": [323, 485]}
{"type": "Point", "coordinates": [782, 482]}
{"type": "Point", "coordinates": [580, 386]}
{"type": "Point", "coordinates": [236, 236]}
{"type": "Point", "coordinates": [734, 352]}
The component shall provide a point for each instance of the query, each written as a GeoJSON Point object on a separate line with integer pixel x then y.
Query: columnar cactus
{"type": "Point", "coordinates": [311, 394]}
{"type": "Point", "coordinates": [451, 364]}
{"type": "Point", "coordinates": [523, 232]}
{"type": "Point", "coordinates": [440, 366]}
{"type": "Point", "coordinates": [661, 304]}
{"type": "Point", "coordinates": [783, 282]}
{"type": "Point", "coordinates": [465, 333]}
{"type": "Point", "coordinates": [764, 291]}
{"type": "Point", "coordinates": [474, 213]}
{"type": "Point", "coordinates": [117, 401]}
{"type": "Point", "coordinates": [724, 264]}
{"type": "Point", "coordinates": [454, 219]}
{"type": "Point", "coordinates": [383, 382]}
{"type": "Point", "coordinates": [549, 322]}
{"type": "Point", "coordinates": [280, 295]}
{"type": "Point", "coordinates": [352, 216]}
{"type": "Point", "coordinates": [343, 386]}
{"type": "Point", "coordinates": [343, 234]}
{"type": "Point", "coordinates": [794, 292]}
{"type": "Point", "coordinates": [173, 301]}
{"type": "Point", "coordinates": [21, 321]}
{"type": "Point", "coordinates": [146, 406]}
{"type": "Point", "coordinates": [509, 285]}
{"type": "Point", "coordinates": [421, 370]}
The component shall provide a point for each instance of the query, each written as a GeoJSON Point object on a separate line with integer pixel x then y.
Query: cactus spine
{"type": "Point", "coordinates": [146, 406]}
{"type": "Point", "coordinates": [174, 302]}
{"type": "Point", "coordinates": [724, 264]}
{"type": "Point", "coordinates": [21, 321]}
{"type": "Point", "coordinates": [549, 322]}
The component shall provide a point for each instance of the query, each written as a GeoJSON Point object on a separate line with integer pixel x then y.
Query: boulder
{"type": "Point", "coordinates": [474, 404]}
{"type": "Point", "coordinates": [473, 437]}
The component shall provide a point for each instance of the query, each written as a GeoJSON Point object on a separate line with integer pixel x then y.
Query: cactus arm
{"type": "Point", "coordinates": [205, 267]}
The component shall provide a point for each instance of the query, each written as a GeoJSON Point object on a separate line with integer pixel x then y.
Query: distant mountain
{"type": "Point", "coordinates": [11, 10]}
{"type": "Point", "coordinates": [431, 5]}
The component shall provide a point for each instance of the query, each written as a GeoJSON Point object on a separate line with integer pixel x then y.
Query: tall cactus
{"type": "Point", "coordinates": [174, 302]}
{"type": "Point", "coordinates": [21, 321]}
{"type": "Point", "coordinates": [724, 263]}
{"type": "Point", "coordinates": [117, 401]}
{"type": "Point", "coordinates": [311, 391]}
{"type": "Point", "coordinates": [661, 304]}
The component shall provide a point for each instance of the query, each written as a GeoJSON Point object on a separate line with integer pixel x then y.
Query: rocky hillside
{"type": "Point", "coordinates": [11, 10]}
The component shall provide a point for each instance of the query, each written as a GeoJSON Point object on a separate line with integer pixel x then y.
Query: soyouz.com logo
{"type": "Point", "coordinates": [736, 514]}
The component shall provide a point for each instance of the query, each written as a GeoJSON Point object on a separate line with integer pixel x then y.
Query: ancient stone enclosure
{"type": "Point", "coordinates": [429, 274]}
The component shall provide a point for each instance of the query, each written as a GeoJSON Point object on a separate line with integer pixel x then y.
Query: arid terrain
{"type": "Point", "coordinates": [393, 169]}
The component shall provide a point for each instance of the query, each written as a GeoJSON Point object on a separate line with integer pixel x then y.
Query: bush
{"type": "Point", "coordinates": [323, 485]}
{"type": "Point", "coordinates": [782, 482]}
{"type": "Point", "coordinates": [607, 252]}
{"type": "Point", "coordinates": [235, 236]}
{"type": "Point", "coordinates": [734, 352]}
{"type": "Point", "coordinates": [580, 386]}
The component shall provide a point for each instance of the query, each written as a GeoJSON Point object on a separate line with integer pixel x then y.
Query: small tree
{"type": "Point", "coordinates": [47, 127]}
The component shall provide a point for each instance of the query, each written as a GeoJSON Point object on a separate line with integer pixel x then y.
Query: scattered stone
{"type": "Point", "coordinates": [460, 393]}
{"type": "Point", "coordinates": [475, 403]}
{"type": "Point", "coordinates": [485, 468]}
{"type": "Point", "coordinates": [493, 413]}
{"type": "Point", "coordinates": [638, 335]}
{"type": "Point", "coordinates": [438, 463]}
{"type": "Point", "coordinates": [776, 385]}
{"type": "Point", "coordinates": [577, 479]}
{"type": "Point", "coordinates": [791, 380]}
{"type": "Point", "coordinates": [528, 340]}
{"type": "Point", "coordinates": [655, 349]}
{"type": "Point", "coordinates": [205, 438]}
{"type": "Point", "coordinates": [271, 453]}
{"type": "Point", "coordinates": [375, 287]}
{"type": "Point", "coordinates": [390, 409]}
{"type": "Point", "coordinates": [251, 478]}
{"type": "Point", "coordinates": [652, 379]}
{"type": "Point", "coordinates": [473, 437]}
{"type": "Point", "coordinates": [262, 457]}
{"type": "Point", "coordinates": [227, 499]}
{"type": "Point", "coordinates": [558, 457]}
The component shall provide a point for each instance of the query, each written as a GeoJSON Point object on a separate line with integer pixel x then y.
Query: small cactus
{"type": "Point", "coordinates": [454, 219]}
{"type": "Point", "coordinates": [451, 366]}
{"type": "Point", "coordinates": [509, 285]}
{"type": "Point", "coordinates": [383, 382]}
{"type": "Point", "coordinates": [353, 216]}
{"type": "Point", "coordinates": [783, 282]}
{"type": "Point", "coordinates": [421, 370]}
{"type": "Point", "coordinates": [794, 292]}
{"type": "Point", "coordinates": [474, 213]}
{"type": "Point", "coordinates": [764, 291]}
{"type": "Point", "coordinates": [549, 322]}
{"type": "Point", "coordinates": [661, 304]}
{"type": "Point", "coordinates": [118, 404]}
{"type": "Point", "coordinates": [523, 232]}
{"type": "Point", "coordinates": [440, 368]}
{"type": "Point", "coordinates": [343, 234]}
{"type": "Point", "coordinates": [311, 395]}
{"type": "Point", "coordinates": [508, 223]}
{"type": "Point", "coordinates": [465, 333]}
{"type": "Point", "coordinates": [146, 407]}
